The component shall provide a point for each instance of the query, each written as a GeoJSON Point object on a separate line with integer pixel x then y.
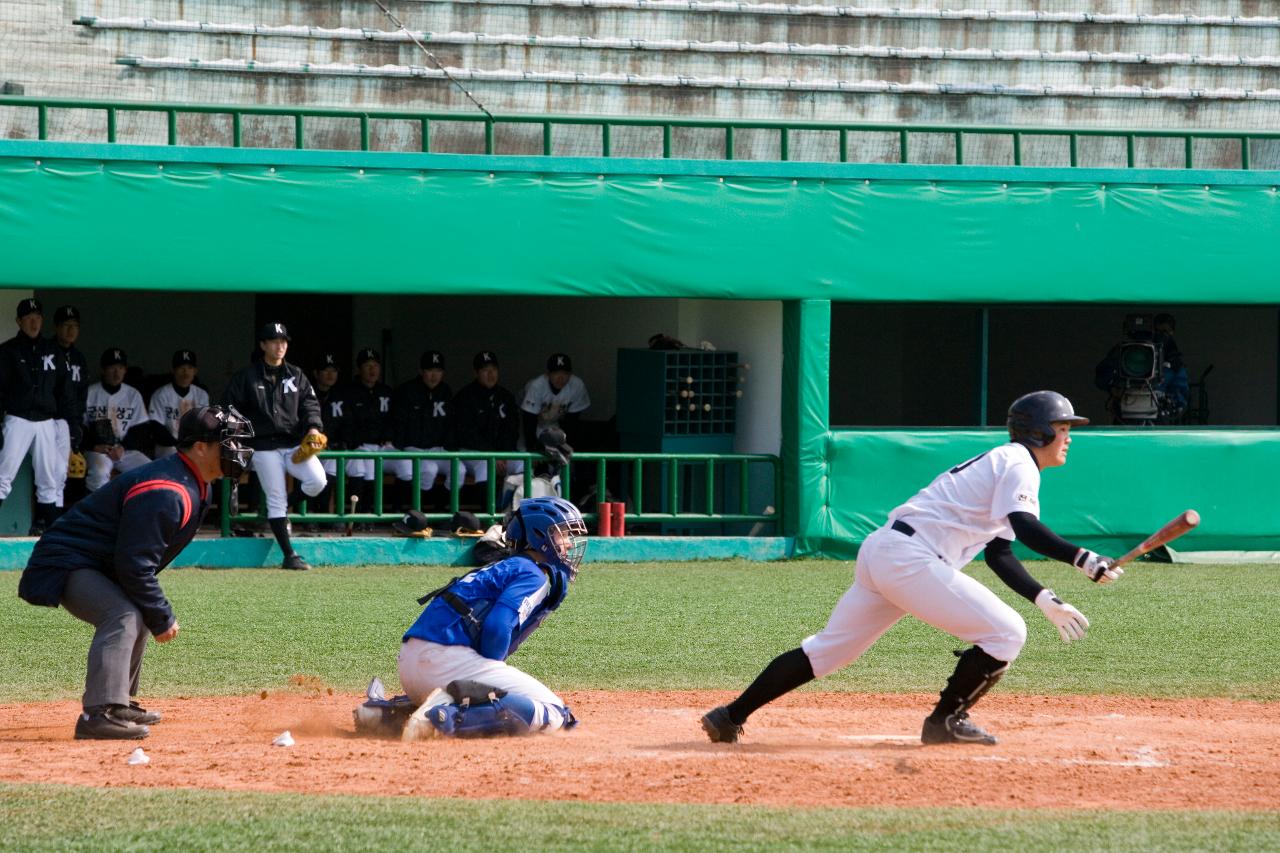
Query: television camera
{"type": "Point", "coordinates": [1144, 376]}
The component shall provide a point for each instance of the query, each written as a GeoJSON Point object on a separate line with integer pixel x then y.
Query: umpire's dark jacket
{"type": "Point", "coordinates": [422, 416]}
{"type": "Point", "coordinates": [33, 386]}
{"type": "Point", "coordinates": [280, 403]}
{"type": "Point", "coordinates": [487, 418]}
{"type": "Point", "coordinates": [129, 530]}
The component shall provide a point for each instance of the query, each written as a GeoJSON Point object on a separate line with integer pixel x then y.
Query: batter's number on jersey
{"type": "Point", "coordinates": [963, 465]}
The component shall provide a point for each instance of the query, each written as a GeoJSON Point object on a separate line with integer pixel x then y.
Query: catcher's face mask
{"type": "Point", "coordinates": [235, 454]}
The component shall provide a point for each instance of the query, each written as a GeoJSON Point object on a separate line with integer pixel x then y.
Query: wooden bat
{"type": "Point", "coordinates": [1171, 531]}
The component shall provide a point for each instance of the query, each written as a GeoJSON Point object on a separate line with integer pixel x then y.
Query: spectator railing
{"type": "Point", "coordinates": [605, 127]}
{"type": "Point", "coordinates": [708, 474]}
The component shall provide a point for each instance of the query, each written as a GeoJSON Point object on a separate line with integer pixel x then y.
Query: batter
{"type": "Point", "coordinates": [913, 565]}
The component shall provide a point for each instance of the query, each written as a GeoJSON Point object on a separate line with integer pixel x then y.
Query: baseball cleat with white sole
{"type": "Point", "coordinates": [419, 726]}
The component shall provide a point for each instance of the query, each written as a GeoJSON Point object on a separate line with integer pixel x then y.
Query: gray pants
{"type": "Point", "coordinates": [119, 639]}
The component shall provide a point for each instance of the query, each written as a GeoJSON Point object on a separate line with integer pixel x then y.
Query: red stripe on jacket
{"type": "Point", "coordinates": [149, 485]}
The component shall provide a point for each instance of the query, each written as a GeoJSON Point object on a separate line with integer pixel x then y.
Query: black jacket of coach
{"type": "Point", "coordinates": [129, 530]}
{"type": "Point", "coordinates": [280, 402]}
{"type": "Point", "coordinates": [33, 382]}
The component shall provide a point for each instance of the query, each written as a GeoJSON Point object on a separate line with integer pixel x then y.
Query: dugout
{"type": "Point", "coordinates": [824, 246]}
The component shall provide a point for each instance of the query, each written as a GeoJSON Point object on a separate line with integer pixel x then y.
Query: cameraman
{"type": "Point", "coordinates": [1169, 383]}
{"type": "Point", "coordinates": [1174, 382]}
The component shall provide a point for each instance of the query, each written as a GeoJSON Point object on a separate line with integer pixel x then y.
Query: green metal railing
{"type": "Point", "coordinates": [606, 127]}
{"type": "Point", "coordinates": [714, 473]}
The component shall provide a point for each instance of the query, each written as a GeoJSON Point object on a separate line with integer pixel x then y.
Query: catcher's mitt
{"type": "Point", "coordinates": [310, 446]}
{"type": "Point", "coordinates": [77, 467]}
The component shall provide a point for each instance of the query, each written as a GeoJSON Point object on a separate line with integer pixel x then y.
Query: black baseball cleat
{"type": "Point", "coordinates": [719, 727]}
{"type": "Point", "coordinates": [956, 728]}
{"type": "Point", "coordinates": [135, 713]}
{"type": "Point", "coordinates": [103, 724]}
{"type": "Point", "coordinates": [294, 562]}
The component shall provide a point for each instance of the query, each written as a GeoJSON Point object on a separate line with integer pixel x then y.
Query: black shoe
{"type": "Point", "coordinates": [956, 728]}
{"type": "Point", "coordinates": [37, 529]}
{"type": "Point", "coordinates": [295, 563]}
{"type": "Point", "coordinates": [135, 713]}
{"type": "Point", "coordinates": [719, 727]}
{"type": "Point", "coordinates": [105, 725]}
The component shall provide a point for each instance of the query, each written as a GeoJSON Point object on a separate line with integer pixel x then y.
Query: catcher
{"type": "Point", "coordinates": [279, 401]}
{"type": "Point", "coordinates": [453, 658]}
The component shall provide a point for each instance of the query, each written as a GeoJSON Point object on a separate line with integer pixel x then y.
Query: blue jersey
{"type": "Point", "coordinates": [506, 602]}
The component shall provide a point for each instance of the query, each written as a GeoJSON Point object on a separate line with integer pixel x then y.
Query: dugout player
{"type": "Point", "coordinates": [486, 418]}
{"type": "Point", "coordinates": [365, 422]}
{"type": "Point", "coordinates": [112, 408]}
{"type": "Point", "coordinates": [553, 399]}
{"type": "Point", "coordinates": [100, 561]}
{"type": "Point", "coordinates": [913, 565]}
{"type": "Point", "coordinates": [179, 396]}
{"type": "Point", "coordinates": [452, 660]}
{"type": "Point", "coordinates": [279, 401]}
{"type": "Point", "coordinates": [422, 419]}
{"type": "Point", "coordinates": [34, 396]}
{"type": "Point", "coordinates": [324, 376]}
{"type": "Point", "coordinates": [66, 331]}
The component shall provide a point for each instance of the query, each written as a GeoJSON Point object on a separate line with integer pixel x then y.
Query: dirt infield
{"type": "Point", "coordinates": [809, 749]}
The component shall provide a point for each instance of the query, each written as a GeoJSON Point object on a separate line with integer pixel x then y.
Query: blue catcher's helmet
{"type": "Point", "coordinates": [1032, 416]}
{"type": "Point", "coordinates": [552, 527]}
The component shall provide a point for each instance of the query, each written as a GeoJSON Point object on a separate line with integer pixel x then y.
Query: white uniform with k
{"type": "Point", "coordinates": [953, 519]}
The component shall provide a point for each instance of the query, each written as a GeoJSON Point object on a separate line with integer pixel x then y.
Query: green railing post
{"type": "Point", "coordinates": [1187, 151]}
{"type": "Point", "coordinates": [673, 486]}
{"type": "Point", "coordinates": [710, 485]}
{"type": "Point", "coordinates": [844, 145]}
{"type": "Point", "coordinates": [744, 482]}
{"type": "Point", "coordinates": [1244, 152]}
{"type": "Point", "coordinates": [455, 483]}
{"type": "Point", "coordinates": [784, 144]}
{"type": "Point", "coordinates": [566, 482]}
{"type": "Point", "coordinates": [959, 148]}
{"type": "Point", "coordinates": [1129, 150]}
{"type": "Point", "coordinates": [42, 122]}
{"type": "Point", "coordinates": [224, 510]}
{"type": "Point", "coordinates": [237, 133]}
{"type": "Point", "coordinates": [728, 142]}
{"type": "Point", "coordinates": [173, 127]}
{"type": "Point", "coordinates": [377, 485]}
{"type": "Point", "coordinates": [364, 133]}
{"type": "Point", "coordinates": [1073, 144]}
{"type": "Point", "coordinates": [299, 132]}
{"type": "Point", "coordinates": [666, 142]}
{"type": "Point", "coordinates": [546, 139]}
{"type": "Point", "coordinates": [605, 145]}
{"type": "Point", "coordinates": [491, 487]}
{"type": "Point", "coordinates": [488, 136]}
{"type": "Point", "coordinates": [111, 124]}
{"type": "Point", "coordinates": [415, 485]}
{"type": "Point", "coordinates": [1017, 149]}
{"type": "Point", "coordinates": [340, 488]}
{"type": "Point", "coordinates": [426, 136]}
{"type": "Point", "coordinates": [601, 480]}
{"type": "Point", "coordinates": [902, 146]}
{"type": "Point", "coordinates": [637, 486]}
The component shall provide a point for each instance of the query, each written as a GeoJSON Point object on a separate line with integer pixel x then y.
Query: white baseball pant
{"type": "Point", "coordinates": [896, 575]}
{"type": "Point", "coordinates": [425, 666]}
{"type": "Point", "coordinates": [428, 469]}
{"type": "Point", "coordinates": [99, 466]}
{"type": "Point", "coordinates": [271, 467]}
{"type": "Point", "coordinates": [41, 438]}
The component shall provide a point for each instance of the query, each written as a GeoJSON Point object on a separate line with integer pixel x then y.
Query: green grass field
{"type": "Point", "coordinates": [1164, 631]}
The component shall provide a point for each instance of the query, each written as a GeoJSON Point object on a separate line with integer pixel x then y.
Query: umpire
{"type": "Point", "coordinates": [100, 561]}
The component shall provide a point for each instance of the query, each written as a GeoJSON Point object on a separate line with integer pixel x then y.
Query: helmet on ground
{"type": "Point", "coordinates": [552, 527]}
{"type": "Point", "coordinates": [224, 425]}
{"type": "Point", "coordinates": [1032, 416]}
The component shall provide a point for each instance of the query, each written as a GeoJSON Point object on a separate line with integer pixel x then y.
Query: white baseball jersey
{"type": "Point", "coordinates": [167, 405]}
{"type": "Point", "coordinates": [541, 399]}
{"type": "Point", "coordinates": [966, 507]}
{"type": "Point", "coordinates": [123, 409]}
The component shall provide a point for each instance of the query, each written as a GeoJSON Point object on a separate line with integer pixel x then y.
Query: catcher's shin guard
{"type": "Point", "coordinates": [512, 715]}
{"type": "Point", "coordinates": [382, 716]}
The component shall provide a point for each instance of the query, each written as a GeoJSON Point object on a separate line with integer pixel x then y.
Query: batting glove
{"type": "Point", "coordinates": [1096, 567]}
{"type": "Point", "coordinates": [1070, 622]}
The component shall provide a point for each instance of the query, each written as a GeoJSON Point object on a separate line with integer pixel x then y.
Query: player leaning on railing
{"type": "Point", "coordinates": [913, 565]}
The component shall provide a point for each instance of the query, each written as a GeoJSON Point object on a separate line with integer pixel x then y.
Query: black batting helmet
{"type": "Point", "coordinates": [1032, 416]}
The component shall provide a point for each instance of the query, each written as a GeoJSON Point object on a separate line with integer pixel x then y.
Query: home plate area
{"type": "Point", "coordinates": [807, 749]}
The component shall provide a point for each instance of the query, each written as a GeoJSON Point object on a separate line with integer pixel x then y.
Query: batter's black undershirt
{"type": "Point", "coordinates": [1032, 532]}
{"type": "Point", "coordinates": [1009, 569]}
